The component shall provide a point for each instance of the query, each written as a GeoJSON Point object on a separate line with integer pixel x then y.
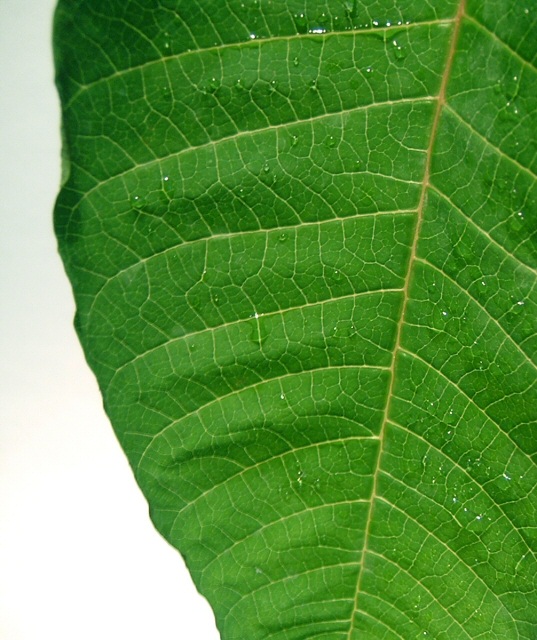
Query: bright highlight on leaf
{"type": "Point", "coordinates": [302, 239]}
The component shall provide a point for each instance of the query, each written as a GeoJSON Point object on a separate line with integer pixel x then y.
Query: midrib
{"type": "Point", "coordinates": [441, 101]}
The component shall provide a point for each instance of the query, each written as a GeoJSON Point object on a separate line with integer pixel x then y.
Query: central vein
{"type": "Point", "coordinates": [441, 101]}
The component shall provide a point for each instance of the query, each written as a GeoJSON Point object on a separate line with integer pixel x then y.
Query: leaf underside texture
{"type": "Point", "coordinates": [302, 241]}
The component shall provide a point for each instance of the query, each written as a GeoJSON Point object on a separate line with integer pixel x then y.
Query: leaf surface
{"type": "Point", "coordinates": [302, 241]}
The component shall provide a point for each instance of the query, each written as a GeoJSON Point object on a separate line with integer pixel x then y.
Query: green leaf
{"type": "Point", "coordinates": [302, 241]}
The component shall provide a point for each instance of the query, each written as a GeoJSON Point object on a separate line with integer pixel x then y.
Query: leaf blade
{"type": "Point", "coordinates": [256, 233]}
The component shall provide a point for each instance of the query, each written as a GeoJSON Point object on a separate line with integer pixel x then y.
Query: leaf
{"type": "Point", "coordinates": [302, 241]}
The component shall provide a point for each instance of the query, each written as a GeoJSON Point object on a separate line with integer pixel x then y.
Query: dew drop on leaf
{"type": "Point", "coordinates": [517, 308]}
{"type": "Point", "coordinates": [330, 141]}
{"type": "Point", "coordinates": [137, 202]}
{"type": "Point", "coordinates": [213, 85]}
{"type": "Point", "coordinates": [517, 221]}
{"type": "Point", "coordinates": [350, 8]}
{"type": "Point", "coordinates": [239, 85]}
{"type": "Point", "coordinates": [511, 87]}
{"type": "Point", "coordinates": [301, 23]}
{"type": "Point", "coordinates": [399, 52]}
{"type": "Point", "coordinates": [338, 276]}
{"type": "Point", "coordinates": [258, 330]}
{"type": "Point", "coordinates": [345, 329]}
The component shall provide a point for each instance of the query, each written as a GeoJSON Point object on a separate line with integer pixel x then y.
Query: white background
{"type": "Point", "coordinates": [79, 558]}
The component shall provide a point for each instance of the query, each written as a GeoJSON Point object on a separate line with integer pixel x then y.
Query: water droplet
{"type": "Point", "coordinates": [258, 330]}
{"type": "Point", "coordinates": [509, 114]}
{"type": "Point", "coordinates": [338, 276]}
{"type": "Point", "coordinates": [517, 308]}
{"type": "Point", "coordinates": [252, 36]}
{"type": "Point", "coordinates": [445, 314]}
{"type": "Point", "coordinates": [330, 141]}
{"type": "Point", "coordinates": [399, 52]}
{"type": "Point", "coordinates": [213, 85]}
{"type": "Point", "coordinates": [517, 221]}
{"type": "Point", "coordinates": [369, 70]}
{"type": "Point", "coordinates": [345, 329]}
{"type": "Point", "coordinates": [239, 85]}
{"type": "Point", "coordinates": [511, 87]}
{"type": "Point", "coordinates": [166, 178]}
{"type": "Point", "coordinates": [137, 202]}
{"type": "Point", "coordinates": [350, 8]}
{"type": "Point", "coordinates": [282, 396]}
{"type": "Point", "coordinates": [301, 23]}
